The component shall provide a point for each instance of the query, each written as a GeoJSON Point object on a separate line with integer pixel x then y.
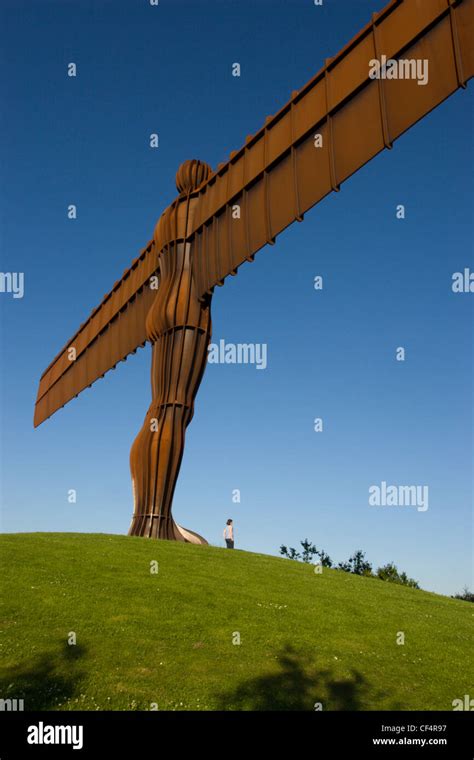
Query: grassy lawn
{"type": "Point", "coordinates": [165, 641]}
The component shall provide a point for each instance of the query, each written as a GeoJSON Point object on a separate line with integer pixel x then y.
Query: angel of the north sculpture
{"type": "Point", "coordinates": [356, 105]}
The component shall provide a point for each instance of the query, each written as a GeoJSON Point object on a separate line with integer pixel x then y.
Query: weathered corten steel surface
{"type": "Point", "coordinates": [274, 179]}
{"type": "Point", "coordinates": [114, 329]}
{"type": "Point", "coordinates": [279, 174]}
{"type": "Point", "coordinates": [178, 326]}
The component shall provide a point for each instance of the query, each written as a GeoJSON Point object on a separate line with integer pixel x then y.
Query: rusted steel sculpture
{"type": "Point", "coordinates": [178, 325]}
{"type": "Point", "coordinates": [338, 121]}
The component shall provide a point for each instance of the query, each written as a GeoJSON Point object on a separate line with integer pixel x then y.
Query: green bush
{"type": "Point", "coordinates": [466, 596]}
{"type": "Point", "coordinates": [356, 564]}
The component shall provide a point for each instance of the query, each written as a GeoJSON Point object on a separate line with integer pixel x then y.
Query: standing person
{"type": "Point", "coordinates": [229, 534]}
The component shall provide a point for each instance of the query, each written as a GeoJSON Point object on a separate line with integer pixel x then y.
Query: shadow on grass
{"type": "Point", "coordinates": [299, 686]}
{"type": "Point", "coordinates": [48, 680]}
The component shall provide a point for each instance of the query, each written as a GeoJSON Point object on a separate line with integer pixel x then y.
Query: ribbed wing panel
{"type": "Point", "coordinates": [114, 329]}
{"type": "Point", "coordinates": [328, 130]}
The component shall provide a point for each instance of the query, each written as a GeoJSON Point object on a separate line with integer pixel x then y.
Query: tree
{"type": "Point", "coordinates": [308, 553]}
{"type": "Point", "coordinates": [389, 572]}
{"type": "Point", "coordinates": [466, 596]}
{"type": "Point", "coordinates": [356, 564]}
{"type": "Point", "coordinates": [290, 553]}
{"type": "Point", "coordinates": [326, 560]}
{"type": "Point", "coordinates": [309, 550]}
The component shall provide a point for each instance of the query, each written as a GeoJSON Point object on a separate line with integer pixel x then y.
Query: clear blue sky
{"type": "Point", "coordinates": [331, 354]}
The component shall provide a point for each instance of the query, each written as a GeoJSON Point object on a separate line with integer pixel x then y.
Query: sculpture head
{"type": "Point", "coordinates": [191, 174]}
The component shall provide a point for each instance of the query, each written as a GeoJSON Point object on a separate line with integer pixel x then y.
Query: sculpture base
{"type": "Point", "coordinates": [157, 526]}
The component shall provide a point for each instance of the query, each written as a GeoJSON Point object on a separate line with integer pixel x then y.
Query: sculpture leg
{"type": "Point", "coordinates": [179, 360]}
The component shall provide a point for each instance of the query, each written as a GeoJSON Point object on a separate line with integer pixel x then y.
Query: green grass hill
{"type": "Point", "coordinates": [170, 640]}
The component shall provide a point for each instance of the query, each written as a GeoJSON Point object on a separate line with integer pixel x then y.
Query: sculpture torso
{"type": "Point", "coordinates": [176, 304]}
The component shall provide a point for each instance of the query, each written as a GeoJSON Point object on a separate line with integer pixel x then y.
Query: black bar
{"type": "Point", "coordinates": [445, 734]}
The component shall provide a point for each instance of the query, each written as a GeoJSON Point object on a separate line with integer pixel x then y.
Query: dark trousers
{"type": "Point", "coordinates": [230, 543]}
